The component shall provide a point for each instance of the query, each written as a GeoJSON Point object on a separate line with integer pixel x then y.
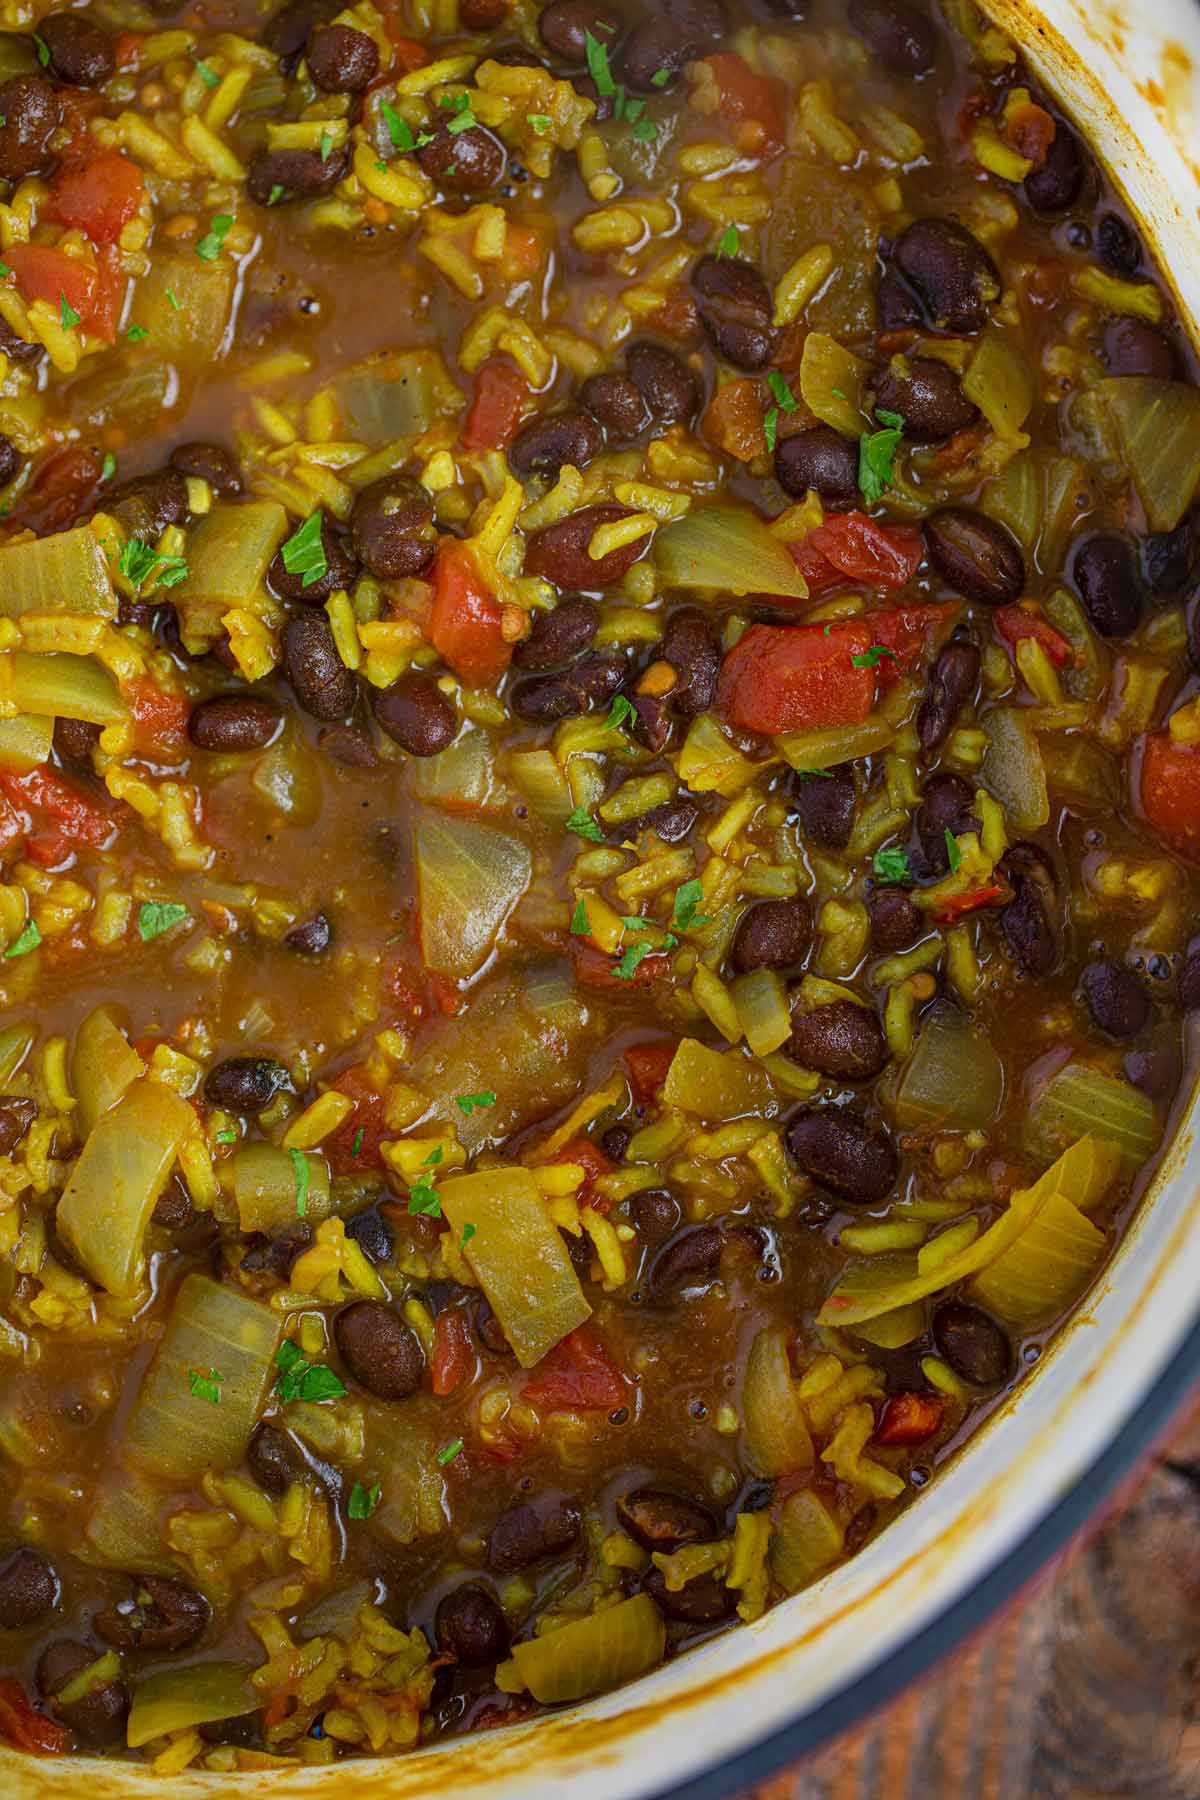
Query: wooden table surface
{"type": "Point", "coordinates": [1087, 1688]}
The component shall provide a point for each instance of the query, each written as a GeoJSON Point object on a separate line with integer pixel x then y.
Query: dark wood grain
{"type": "Point", "coordinates": [1087, 1688]}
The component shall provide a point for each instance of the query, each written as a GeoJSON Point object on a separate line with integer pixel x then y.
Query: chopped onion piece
{"type": "Point", "coordinates": [66, 572]}
{"type": "Point", "coordinates": [729, 549]}
{"type": "Point", "coordinates": [702, 1080]}
{"type": "Point", "coordinates": [807, 1541]}
{"type": "Point", "coordinates": [775, 1433]}
{"type": "Point", "coordinates": [954, 1080]}
{"type": "Point", "coordinates": [831, 383]}
{"type": "Point", "coordinates": [1157, 426]}
{"type": "Point", "coordinates": [1046, 1269]}
{"type": "Point", "coordinates": [1080, 1098]}
{"type": "Point", "coordinates": [104, 1066]}
{"type": "Point", "coordinates": [178, 1698]}
{"type": "Point", "coordinates": [1013, 770]}
{"type": "Point", "coordinates": [591, 1655]}
{"type": "Point", "coordinates": [469, 878]}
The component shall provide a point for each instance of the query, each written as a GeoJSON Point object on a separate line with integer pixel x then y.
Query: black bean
{"type": "Point", "coordinates": [735, 309]}
{"type": "Point", "coordinates": [29, 1587]}
{"type": "Point", "coordinates": [656, 1213]}
{"type": "Point", "coordinates": [10, 459]}
{"type": "Point", "coordinates": [1169, 559]}
{"type": "Point", "coordinates": [287, 31]}
{"type": "Point", "coordinates": [951, 272]}
{"type": "Point", "coordinates": [347, 744]}
{"type": "Point", "coordinates": [173, 1210]}
{"type": "Point", "coordinates": [1028, 921]}
{"type": "Point", "coordinates": [147, 505]}
{"type": "Point", "coordinates": [842, 1039]}
{"type": "Point", "coordinates": [651, 721]}
{"type": "Point", "coordinates": [74, 741]}
{"type": "Point", "coordinates": [392, 527]}
{"type": "Point", "coordinates": [481, 15]}
{"type": "Point", "coordinates": [274, 1459]}
{"type": "Point", "coordinates": [686, 1262]}
{"type": "Point", "coordinates": [896, 920]}
{"type": "Point", "coordinates": [546, 443]}
{"type": "Point", "coordinates": [471, 1627]}
{"type": "Point", "coordinates": [171, 1618]}
{"type": "Point", "coordinates": [98, 1717]}
{"type": "Point", "coordinates": [245, 1732]}
{"type": "Point", "coordinates": [946, 805]}
{"type": "Point", "coordinates": [701, 1601]}
{"type": "Point", "coordinates": [558, 636]}
{"type": "Point", "coordinates": [1117, 244]}
{"type": "Point", "coordinates": [1188, 981]}
{"type": "Point", "coordinates": [819, 458]}
{"type": "Point", "coordinates": [901, 35]}
{"type": "Point", "coordinates": [654, 55]}
{"type": "Point", "coordinates": [81, 54]}
{"type": "Point", "coordinates": [1116, 999]}
{"type": "Point", "coordinates": [615, 1142]}
{"type": "Point", "coordinates": [771, 934]}
{"type": "Point", "coordinates": [340, 571]}
{"type": "Point", "coordinates": [516, 56]}
{"type": "Point", "coordinates": [896, 304]}
{"type": "Point", "coordinates": [691, 646]}
{"type": "Point", "coordinates": [978, 558]}
{"type": "Point", "coordinates": [1104, 571]}
{"type": "Point", "coordinates": [1133, 347]}
{"type": "Point", "coordinates": [1154, 1070]}
{"type": "Point", "coordinates": [277, 176]}
{"type": "Point", "coordinates": [974, 1345]}
{"type": "Point", "coordinates": [664, 381]}
{"type": "Point", "coordinates": [531, 1530]}
{"type": "Point", "coordinates": [465, 162]}
{"type": "Point", "coordinates": [824, 806]}
{"type": "Point", "coordinates": [673, 820]}
{"type": "Point", "coordinates": [415, 713]}
{"type": "Point", "coordinates": [311, 937]}
{"type": "Point", "coordinates": [17, 1114]}
{"type": "Point", "coordinates": [231, 722]}
{"type": "Point", "coordinates": [589, 683]}
{"type": "Point", "coordinates": [211, 463]}
{"type": "Point", "coordinates": [31, 110]}
{"type": "Point", "coordinates": [245, 1085]}
{"type": "Point", "coordinates": [340, 59]}
{"type": "Point", "coordinates": [616, 401]}
{"type": "Point", "coordinates": [320, 679]}
{"type": "Point", "coordinates": [373, 1235]}
{"type": "Point", "coordinates": [559, 553]}
{"type": "Point", "coordinates": [659, 1520]}
{"type": "Point", "coordinates": [17, 349]}
{"type": "Point", "coordinates": [1056, 185]}
{"type": "Point", "coordinates": [927, 395]}
{"type": "Point", "coordinates": [952, 680]}
{"type": "Point", "coordinates": [564, 26]}
{"type": "Point", "coordinates": [846, 1155]}
{"type": "Point", "coordinates": [382, 1353]}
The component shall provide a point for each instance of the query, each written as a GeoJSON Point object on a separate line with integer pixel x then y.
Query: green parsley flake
{"type": "Point", "coordinates": [399, 129]}
{"type": "Point", "coordinates": [631, 958]}
{"type": "Point", "coordinates": [5, 271]}
{"type": "Point", "coordinates": [68, 318]}
{"type": "Point", "coordinates": [207, 74]}
{"type": "Point", "coordinates": [469, 1103]}
{"type": "Point", "coordinates": [227, 1137]}
{"type": "Point", "coordinates": [468, 1234]}
{"type": "Point", "coordinates": [205, 1387]}
{"type": "Point", "coordinates": [581, 925]}
{"type": "Point", "coordinates": [423, 1201]}
{"type": "Point", "coordinates": [771, 429]}
{"type": "Point", "coordinates": [598, 69]}
{"type": "Point", "coordinates": [136, 333]}
{"type": "Point", "coordinates": [157, 916]}
{"type": "Point", "coordinates": [781, 391]}
{"type": "Point", "coordinates": [876, 453]}
{"type": "Point", "coordinates": [448, 1452]}
{"type": "Point", "coordinates": [174, 300]}
{"type": "Point", "coordinates": [645, 131]}
{"type": "Point", "coordinates": [300, 1174]}
{"type": "Point", "coordinates": [583, 825]}
{"type": "Point", "coordinates": [326, 145]}
{"type": "Point", "coordinates": [363, 1501]}
{"type": "Point", "coordinates": [304, 552]}
{"type": "Point", "coordinates": [211, 244]}
{"type": "Point", "coordinates": [660, 78]}
{"type": "Point", "coordinates": [620, 710]}
{"type": "Point", "coordinates": [300, 1379]}
{"type": "Point", "coordinates": [539, 122]}
{"type": "Point", "coordinates": [108, 467]}
{"type": "Point", "coordinates": [463, 118]}
{"type": "Point", "coordinates": [808, 774]}
{"type": "Point", "coordinates": [891, 865]}
{"type": "Point", "coordinates": [872, 656]}
{"type": "Point", "coordinates": [276, 193]}
{"type": "Point", "coordinates": [28, 940]}
{"type": "Point", "coordinates": [357, 1145]}
{"type": "Point", "coordinates": [953, 852]}
{"type": "Point", "coordinates": [730, 243]}
{"type": "Point", "coordinates": [687, 899]}
{"type": "Point", "coordinates": [43, 50]}
{"type": "Point", "coordinates": [140, 563]}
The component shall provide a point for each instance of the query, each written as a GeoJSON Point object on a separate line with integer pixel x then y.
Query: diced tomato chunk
{"type": "Point", "coordinates": [578, 1375]}
{"type": "Point", "coordinates": [159, 717]}
{"type": "Point", "coordinates": [751, 105]}
{"type": "Point", "coordinates": [99, 196]}
{"type": "Point", "coordinates": [596, 969]}
{"type": "Point", "coordinates": [910, 633]}
{"type": "Point", "coordinates": [853, 546]}
{"type": "Point", "coordinates": [909, 1419]}
{"type": "Point", "coordinates": [647, 1065]}
{"type": "Point", "coordinates": [1170, 791]}
{"type": "Point", "coordinates": [797, 677]}
{"type": "Point", "coordinates": [453, 1352]}
{"type": "Point", "coordinates": [51, 275]}
{"type": "Point", "coordinates": [354, 1146]}
{"type": "Point", "coordinates": [733, 420]}
{"type": "Point", "coordinates": [593, 1162]}
{"type": "Point", "coordinates": [464, 624]}
{"type": "Point", "coordinates": [23, 1726]}
{"type": "Point", "coordinates": [501, 398]}
{"type": "Point", "coordinates": [958, 904]}
{"type": "Point", "coordinates": [1015, 622]}
{"type": "Point", "coordinates": [77, 816]}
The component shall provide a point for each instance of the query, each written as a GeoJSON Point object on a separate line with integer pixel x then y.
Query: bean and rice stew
{"type": "Point", "coordinates": [599, 810]}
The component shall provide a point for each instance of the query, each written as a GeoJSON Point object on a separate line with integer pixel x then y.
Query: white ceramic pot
{"type": "Point", "coordinates": [1128, 71]}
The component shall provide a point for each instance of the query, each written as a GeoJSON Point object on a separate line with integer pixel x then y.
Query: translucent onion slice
{"type": "Point", "coordinates": [591, 1655]}
{"type": "Point", "coordinates": [807, 1541]}
{"type": "Point", "coordinates": [1157, 426]}
{"type": "Point", "coordinates": [831, 383]}
{"type": "Point", "coordinates": [66, 687]}
{"type": "Point", "coordinates": [63, 573]}
{"type": "Point", "coordinates": [228, 552]}
{"type": "Point", "coordinates": [177, 1699]}
{"type": "Point", "coordinates": [1000, 382]}
{"type": "Point", "coordinates": [265, 1187]}
{"type": "Point", "coordinates": [469, 878]}
{"type": "Point", "coordinates": [1012, 768]}
{"type": "Point", "coordinates": [716, 1086]}
{"type": "Point", "coordinates": [25, 741]}
{"type": "Point", "coordinates": [1080, 1098]}
{"type": "Point", "coordinates": [727, 548]}
{"type": "Point", "coordinates": [954, 1080]}
{"type": "Point", "coordinates": [1047, 1268]}
{"type": "Point", "coordinates": [104, 1065]}
{"type": "Point", "coordinates": [775, 1434]}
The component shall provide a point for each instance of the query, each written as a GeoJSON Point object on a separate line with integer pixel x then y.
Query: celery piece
{"type": "Point", "coordinates": [836, 744]}
{"type": "Point", "coordinates": [187, 304]}
{"type": "Point", "coordinates": [1013, 770]}
{"type": "Point", "coordinates": [227, 556]}
{"type": "Point", "coordinates": [25, 741]}
{"type": "Point", "coordinates": [1086, 676]}
{"type": "Point", "coordinates": [121, 1172]}
{"type": "Point", "coordinates": [518, 1256]}
{"type": "Point", "coordinates": [181, 1697]}
{"type": "Point", "coordinates": [591, 1655]}
{"type": "Point", "coordinates": [729, 549]}
{"type": "Point", "coordinates": [775, 1434]}
{"type": "Point", "coordinates": [1080, 1099]}
{"type": "Point", "coordinates": [1014, 496]}
{"type": "Point", "coordinates": [103, 1066]}
{"type": "Point", "coordinates": [469, 878]}
{"type": "Point", "coordinates": [265, 1187]}
{"type": "Point", "coordinates": [807, 1540]}
{"type": "Point", "coordinates": [540, 778]}
{"type": "Point", "coordinates": [63, 573]}
{"type": "Point", "coordinates": [66, 687]}
{"type": "Point", "coordinates": [999, 381]}
{"type": "Point", "coordinates": [402, 1452]}
{"type": "Point", "coordinates": [715, 1086]}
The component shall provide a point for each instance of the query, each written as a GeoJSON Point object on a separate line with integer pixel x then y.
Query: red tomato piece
{"type": "Point", "coordinates": [501, 397]}
{"type": "Point", "coordinates": [958, 904]}
{"type": "Point", "coordinates": [51, 275]}
{"type": "Point", "coordinates": [464, 624]}
{"type": "Point", "coordinates": [751, 105]}
{"type": "Point", "coordinates": [596, 969]}
{"type": "Point", "coordinates": [578, 1375]}
{"type": "Point", "coordinates": [909, 1419]}
{"type": "Point", "coordinates": [859, 548]}
{"type": "Point", "coordinates": [1170, 791]}
{"type": "Point", "coordinates": [60, 490]}
{"type": "Point", "coordinates": [797, 677]}
{"type": "Point", "coordinates": [11, 828]}
{"type": "Point", "coordinates": [647, 1066]}
{"type": "Point", "coordinates": [910, 633]}
{"type": "Point", "coordinates": [453, 1359]}
{"type": "Point", "coordinates": [23, 1726]}
{"type": "Point", "coordinates": [98, 197]}
{"type": "Point", "coordinates": [406, 991]}
{"type": "Point", "coordinates": [1015, 622]}
{"type": "Point", "coordinates": [354, 1146]}
{"type": "Point", "coordinates": [44, 790]}
{"type": "Point", "coordinates": [592, 1160]}
{"type": "Point", "coordinates": [161, 718]}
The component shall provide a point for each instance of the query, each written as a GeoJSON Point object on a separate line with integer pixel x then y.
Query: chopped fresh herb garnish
{"type": "Point", "coordinates": [631, 922]}
{"type": "Point", "coordinates": [205, 1387]}
{"type": "Point", "coordinates": [806, 774]}
{"type": "Point", "coordinates": [645, 131]}
{"type": "Point", "coordinates": [598, 69]}
{"type": "Point", "coordinates": [276, 193]}
{"type": "Point", "coordinates": [687, 898]}
{"type": "Point", "coordinates": [463, 118]}
{"type": "Point", "coordinates": [43, 50]}
{"type": "Point", "coordinates": [423, 1201]}
{"type": "Point", "coordinates": [635, 954]}
{"type": "Point", "coordinates": [210, 245]}
{"type": "Point", "coordinates": [872, 656]}
{"type": "Point", "coordinates": [68, 318]}
{"type": "Point", "coordinates": [876, 453]}
{"type": "Point", "coordinates": [326, 145]}
{"type": "Point", "coordinates": [837, 393]}
{"type": "Point", "coordinates": [139, 561]}
{"type": "Point", "coordinates": [399, 129]}
{"type": "Point", "coordinates": [467, 1235]}
{"type": "Point", "coordinates": [227, 1136]}
{"type": "Point", "coordinates": [304, 552]}
{"type": "Point", "coordinates": [827, 629]}
{"type": "Point", "coordinates": [136, 333]}
{"type": "Point", "coordinates": [300, 1379]}
{"type": "Point", "coordinates": [660, 78]}
{"type": "Point", "coordinates": [448, 1452]}
{"type": "Point", "coordinates": [357, 1144]}
{"type": "Point", "coordinates": [583, 825]}
{"type": "Point", "coordinates": [539, 122]}
{"type": "Point", "coordinates": [620, 710]}
{"type": "Point", "coordinates": [780, 389]}
{"type": "Point", "coordinates": [363, 1501]}
{"type": "Point", "coordinates": [771, 429]}
{"type": "Point", "coordinates": [157, 916]}
{"type": "Point", "coordinates": [108, 467]}
{"type": "Point", "coordinates": [953, 852]}
{"type": "Point", "coordinates": [581, 925]}
{"type": "Point", "coordinates": [434, 1158]}
{"type": "Point", "coordinates": [300, 1174]}
{"type": "Point", "coordinates": [891, 865]}
{"type": "Point", "coordinates": [208, 76]}
{"type": "Point", "coordinates": [28, 940]}
{"type": "Point", "coordinates": [730, 242]}
{"type": "Point", "coordinates": [174, 300]}
{"type": "Point", "coordinates": [469, 1103]}
{"type": "Point", "coordinates": [5, 271]}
